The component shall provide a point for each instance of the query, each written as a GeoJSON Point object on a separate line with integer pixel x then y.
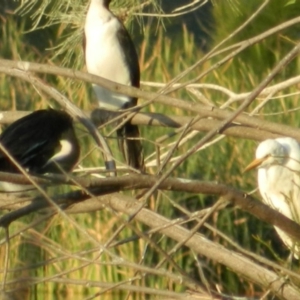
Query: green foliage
{"type": "Point", "coordinates": [229, 18]}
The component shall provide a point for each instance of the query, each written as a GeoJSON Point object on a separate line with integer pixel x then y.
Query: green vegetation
{"type": "Point", "coordinates": [73, 241]}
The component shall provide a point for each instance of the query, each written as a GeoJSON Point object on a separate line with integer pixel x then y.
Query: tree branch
{"type": "Point", "coordinates": [13, 68]}
{"type": "Point", "coordinates": [104, 186]}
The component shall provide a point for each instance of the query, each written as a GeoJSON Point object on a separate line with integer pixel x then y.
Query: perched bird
{"type": "Point", "coordinates": [111, 54]}
{"type": "Point", "coordinates": [41, 142]}
{"type": "Point", "coordinates": [278, 163]}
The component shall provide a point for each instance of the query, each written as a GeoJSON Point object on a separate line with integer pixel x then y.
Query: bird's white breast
{"type": "Point", "coordinates": [104, 55]}
{"type": "Point", "coordinates": [280, 189]}
{"type": "Point", "coordinates": [275, 189]}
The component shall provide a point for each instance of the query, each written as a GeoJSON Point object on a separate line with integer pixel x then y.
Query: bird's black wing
{"type": "Point", "coordinates": [33, 140]}
{"type": "Point", "coordinates": [129, 135]}
{"type": "Point", "coordinates": [130, 55]}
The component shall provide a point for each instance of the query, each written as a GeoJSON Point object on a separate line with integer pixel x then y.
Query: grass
{"type": "Point", "coordinates": [223, 162]}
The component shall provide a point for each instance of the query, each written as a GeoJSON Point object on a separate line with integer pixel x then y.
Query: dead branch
{"type": "Point", "coordinates": [237, 262]}
{"type": "Point", "coordinates": [156, 119]}
{"type": "Point", "coordinates": [13, 68]}
{"type": "Point", "coordinates": [104, 186]}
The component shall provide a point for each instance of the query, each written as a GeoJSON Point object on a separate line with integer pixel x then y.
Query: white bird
{"type": "Point", "coordinates": [278, 163]}
{"type": "Point", "coordinates": [111, 54]}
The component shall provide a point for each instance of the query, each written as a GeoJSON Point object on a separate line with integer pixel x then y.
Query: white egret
{"type": "Point", "coordinates": [278, 164]}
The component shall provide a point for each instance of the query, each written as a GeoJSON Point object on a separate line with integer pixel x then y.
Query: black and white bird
{"type": "Point", "coordinates": [278, 164]}
{"type": "Point", "coordinates": [41, 142]}
{"type": "Point", "coordinates": [111, 54]}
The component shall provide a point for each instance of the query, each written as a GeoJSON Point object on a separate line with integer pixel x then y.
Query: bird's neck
{"type": "Point", "coordinates": [99, 11]}
{"type": "Point", "coordinates": [104, 4]}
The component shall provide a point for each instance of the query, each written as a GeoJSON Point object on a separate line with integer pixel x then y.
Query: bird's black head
{"type": "Point", "coordinates": [106, 3]}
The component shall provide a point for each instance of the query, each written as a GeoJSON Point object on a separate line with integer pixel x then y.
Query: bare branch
{"type": "Point", "coordinates": [134, 182]}
{"type": "Point", "coordinates": [156, 119]}
{"type": "Point", "coordinates": [7, 67]}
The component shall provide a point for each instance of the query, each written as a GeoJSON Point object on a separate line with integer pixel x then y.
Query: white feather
{"type": "Point", "coordinates": [279, 180]}
{"type": "Point", "coordinates": [66, 149]}
{"type": "Point", "coordinates": [103, 49]}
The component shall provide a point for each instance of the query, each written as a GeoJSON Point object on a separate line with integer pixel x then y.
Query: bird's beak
{"type": "Point", "coordinates": [255, 163]}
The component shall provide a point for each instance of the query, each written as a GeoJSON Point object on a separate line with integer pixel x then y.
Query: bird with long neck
{"type": "Point", "coordinates": [111, 54]}
{"type": "Point", "coordinates": [278, 164]}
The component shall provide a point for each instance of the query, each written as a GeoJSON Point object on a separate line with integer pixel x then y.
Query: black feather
{"type": "Point", "coordinates": [33, 140]}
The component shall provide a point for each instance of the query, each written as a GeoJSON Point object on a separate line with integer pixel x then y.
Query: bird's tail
{"type": "Point", "coordinates": [131, 146]}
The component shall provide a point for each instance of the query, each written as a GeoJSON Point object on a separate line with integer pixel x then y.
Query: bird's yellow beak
{"type": "Point", "coordinates": [255, 163]}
